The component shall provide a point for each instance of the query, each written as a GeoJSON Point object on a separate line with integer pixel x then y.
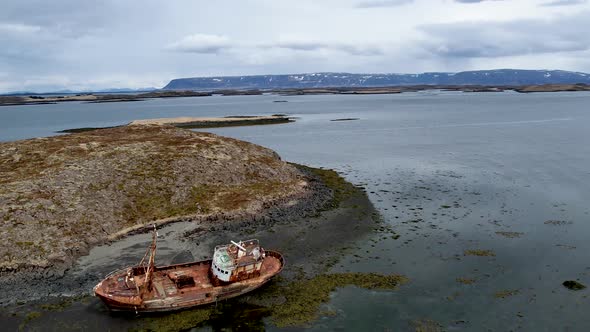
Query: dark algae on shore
{"type": "Point", "coordinates": [286, 304]}
{"type": "Point", "coordinates": [303, 298]}
{"type": "Point", "coordinates": [341, 189]}
{"type": "Point", "coordinates": [296, 299]}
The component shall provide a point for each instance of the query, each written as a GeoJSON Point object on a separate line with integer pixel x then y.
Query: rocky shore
{"type": "Point", "coordinates": [62, 195]}
{"type": "Point", "coordinates": [313, 231]}
{"type": "Point", "coordinates": [76, 207]}
{"type": "Point", "coordinates": [75, 276]}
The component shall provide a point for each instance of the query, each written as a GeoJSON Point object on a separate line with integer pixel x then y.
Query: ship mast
{"type": "Point", "coordinates": [149, 273]}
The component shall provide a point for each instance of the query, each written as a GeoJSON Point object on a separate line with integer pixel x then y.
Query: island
{"type": "Point", "coordinates": [61, 195]}
{"type": "Point", "coordinates": [212, 122]}
{"type": "Point", "coordinates": [200, 122]}
{"type": "Point", "coordinates": [40, 99]}
{"type": "Point", "coordinates": [75, 207]}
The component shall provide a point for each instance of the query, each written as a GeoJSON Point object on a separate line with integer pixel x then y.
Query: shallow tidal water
{"type": "Point", "coordinates": [504, 175]}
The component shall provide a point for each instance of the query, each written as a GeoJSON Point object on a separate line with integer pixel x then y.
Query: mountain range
{"type": "Point", "coordinates": [498, 77]}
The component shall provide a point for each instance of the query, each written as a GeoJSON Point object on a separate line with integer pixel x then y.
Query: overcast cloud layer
{"type": "Point", "coordinates": [83, 45]}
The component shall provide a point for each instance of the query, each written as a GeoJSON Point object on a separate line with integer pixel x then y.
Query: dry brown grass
{"type": "Point", "coordinates": [58, 195]}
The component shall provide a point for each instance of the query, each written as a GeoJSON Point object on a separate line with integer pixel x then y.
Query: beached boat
{"type": "Point", "coordinates": [235, 269]}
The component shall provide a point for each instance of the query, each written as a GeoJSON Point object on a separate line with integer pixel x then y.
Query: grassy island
{"type": "Point", "coordinates": [60, 195]}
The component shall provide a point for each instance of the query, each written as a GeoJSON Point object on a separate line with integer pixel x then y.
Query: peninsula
{"type": "Point", "coordinates": [76, 206]}
{"type": "Point", "coordinates": [201, 122]}
{"type": "Point", "coordinates": [210, 122]}
{"type": "Point", "coordinates": [62, 195]}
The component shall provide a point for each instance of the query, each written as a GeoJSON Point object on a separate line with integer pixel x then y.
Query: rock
{"type": "Point", "coordinates": [573, 285]}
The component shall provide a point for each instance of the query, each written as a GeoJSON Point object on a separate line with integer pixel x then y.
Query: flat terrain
{"type": "Point", "coordinates": [95, 98]}
{"type": "Point", "coordinates": [552, 88]}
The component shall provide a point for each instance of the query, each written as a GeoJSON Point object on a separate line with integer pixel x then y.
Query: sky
{"type": "Point", "coordinates": [93, 45]}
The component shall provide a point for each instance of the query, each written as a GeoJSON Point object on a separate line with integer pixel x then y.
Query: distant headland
{"type": "Point", "coordinates": [518, 80]}
{"type": "Point", "coordinates": [498, 77]}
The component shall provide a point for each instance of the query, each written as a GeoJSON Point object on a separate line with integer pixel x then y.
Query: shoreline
{"type": "Point", "coordinates": [313, 235]}
{"type": "Point", "coordinates": [196, 122]}
{"type": "Point", "coordinates": [258, 188]}
{"type": "Point", "coordinates": [64, 194]}
{"type": "Point", "coordinates": [307, 203]}
{"type": "Point", "coordinates": [40, 99]}
{"type": "Point", "coordinates": [212, 122]}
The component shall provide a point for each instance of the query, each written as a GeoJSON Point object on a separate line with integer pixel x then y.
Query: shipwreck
{"type": "Point", "coordinates": [235, 269]}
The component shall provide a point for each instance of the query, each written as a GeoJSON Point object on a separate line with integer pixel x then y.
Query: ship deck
{"type": "Point", "coordinates": [121, 293]}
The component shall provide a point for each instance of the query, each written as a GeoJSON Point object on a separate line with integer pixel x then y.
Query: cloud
{"type": "Point", "coordinates": [23, 42]}
{"type": "Point", "coordinates": [209, 44]}
{"type": "Point", "coordinates": [382, 3]}
{"type": "Point", "coordinates": [563, 3]}
{"type": "Point", "coordinates": [18, 28]}
{"type": "Point", "coordinates": [68, 18]}
{"type": "Point", "coordinates": [73, 43]}
{"type": "Point", "coordinates": [351, 48]}
{"type": "Point", "coordinates": [201, 43]}
{"type": "Point", "coordinates": [512, 38]}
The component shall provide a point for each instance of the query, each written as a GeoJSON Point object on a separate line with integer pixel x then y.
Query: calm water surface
{"type": "Point", "coordinates": [450, 172]}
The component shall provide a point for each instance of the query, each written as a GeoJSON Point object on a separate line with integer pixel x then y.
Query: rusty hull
{"type": "Point", "coordinates": [172, 288]}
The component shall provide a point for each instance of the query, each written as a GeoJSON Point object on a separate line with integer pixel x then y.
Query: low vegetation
{"type": "Point", "coordinates": [304, 297]}
{"type": "Point", "coordinates": [59, 195]}
{"type": "Point", "coordinates": [288, 304]}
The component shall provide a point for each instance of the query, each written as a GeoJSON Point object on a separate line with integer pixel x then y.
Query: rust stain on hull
{"type": "Point", "coordinates": [174, 287]}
